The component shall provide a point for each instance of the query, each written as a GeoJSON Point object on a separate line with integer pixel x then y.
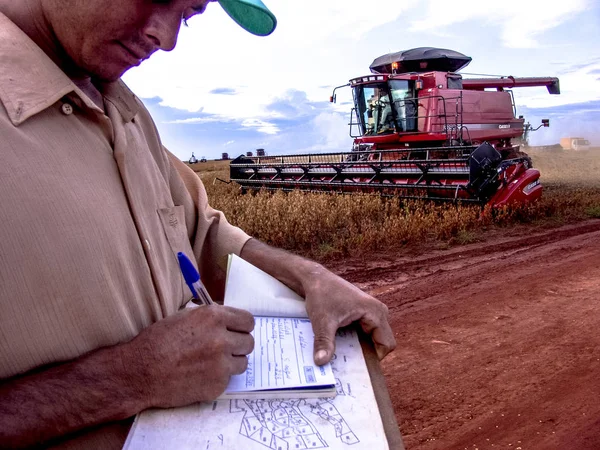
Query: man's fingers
{"type": "Point", "coordinates": [242, 343]}
{"type": "Point", "coordinates": [239, 364]}
{"type": "Point", "coordinates": [384, 340]}
{"type": "Point", "coordinates": [324, 341]}
{"type": "Point", "coordinates": [381, 332]}
{"type": "Point", "coordinates": [237, 319]}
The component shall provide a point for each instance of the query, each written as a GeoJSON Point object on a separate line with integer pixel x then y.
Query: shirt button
{"type": "Point", "coordinates": [66, 109]}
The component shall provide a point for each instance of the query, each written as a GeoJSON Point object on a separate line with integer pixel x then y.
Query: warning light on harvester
{"type": "Point", "coordinates": [394, 66]}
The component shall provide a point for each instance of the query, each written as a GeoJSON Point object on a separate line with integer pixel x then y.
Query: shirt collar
{"type": "Point", "coordinates": [124, 100]}
{"type": "Point", "coordinates": [30, 81]}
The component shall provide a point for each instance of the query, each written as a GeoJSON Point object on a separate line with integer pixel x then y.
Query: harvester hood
{"type": "Point", "coordinates": [421, 59]}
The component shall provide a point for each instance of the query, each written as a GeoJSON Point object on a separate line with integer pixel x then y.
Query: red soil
{"type": "Point", "coordinates": [498, 342]}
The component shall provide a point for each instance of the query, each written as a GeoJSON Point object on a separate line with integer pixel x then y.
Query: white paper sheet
{"type": "Point", "coordinates": [282, 358]}
{"type": "Point", "coordinates": [251, 289]}
{"type": "Point", "coordinates": [350, 421]}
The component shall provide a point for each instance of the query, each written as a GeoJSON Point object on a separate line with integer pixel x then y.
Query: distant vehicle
{"type": "Point", "coordinates": [193, 159]}
{"type": "Point", "coordinates": [203, 159]}
{"type": "Point", "coordinates": [248, 153]}
{"type": "Point", "coordinates": [224, 155]}
{"type": "Point", "coordinates": [574, 143]}
{"type": "Point", "coordinates": [260, 152]}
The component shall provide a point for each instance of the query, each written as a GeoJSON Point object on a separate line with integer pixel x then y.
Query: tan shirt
{"type": "Point", "coordinates": [93, 212]}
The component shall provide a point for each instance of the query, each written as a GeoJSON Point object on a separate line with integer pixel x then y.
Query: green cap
{"type": "Point", "coordinates": [251, 15]}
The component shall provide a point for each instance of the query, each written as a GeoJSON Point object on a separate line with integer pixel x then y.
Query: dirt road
{"type": "Point", "coordinates": [498, 342]}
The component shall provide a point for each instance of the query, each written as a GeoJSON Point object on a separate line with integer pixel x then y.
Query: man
{"type": "Point", "coordinates": [94, 211]}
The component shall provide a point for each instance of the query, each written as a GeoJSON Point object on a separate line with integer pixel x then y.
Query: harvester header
{"type": "Point", "coordinates": [420, 130]}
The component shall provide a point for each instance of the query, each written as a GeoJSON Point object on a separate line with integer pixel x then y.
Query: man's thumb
{"type": "Point", "coordinates": [324, 344]}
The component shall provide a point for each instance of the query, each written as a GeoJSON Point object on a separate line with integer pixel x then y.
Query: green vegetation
{"type": "Point", "coordinates": [593, 211]}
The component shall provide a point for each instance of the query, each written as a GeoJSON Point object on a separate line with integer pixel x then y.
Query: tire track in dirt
{"type": "Point", "coordinates": [371, 273]}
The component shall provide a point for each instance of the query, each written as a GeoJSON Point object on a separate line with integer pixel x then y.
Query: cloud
{"type": "Point", "coordinates": [308, 52]}
{"type": "Point", "coordinates": [197, 120]}
{"type": "Point", "coordinates": [293, 104]}
{"type": "Point", "coordinates": [578, 119]}
{"type": "Point", "coordinates": [521, 22]}
{"type": "Point", "coordinates": [578, 85]}
{"type": "Point", "coordinates": [261, 126]}
{"type": "Point", "coordinates": [573, 108]}
{"type": "Point", "coordinates": [273, 92]}
{"type": "Point", "coordinates": [333, 131]}
{"type": "Point", "coordinates": [589, 65]}
{"type": "Point", "coordinates": [300, 24]}
{"type": "Point", "coordinates": [222, 91]}
{"type": "Point", "coordinates": [317, 48]}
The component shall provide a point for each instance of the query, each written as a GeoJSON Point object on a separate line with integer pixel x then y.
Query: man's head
{"type": "Point", "coordinates": [104, 39]}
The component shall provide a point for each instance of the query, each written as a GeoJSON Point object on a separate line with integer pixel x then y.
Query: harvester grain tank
{"type": "Point", "coordinates": [421, 130]}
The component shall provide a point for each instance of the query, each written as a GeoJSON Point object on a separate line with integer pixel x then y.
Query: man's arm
{"type": "Point", "coordinates": [94, 389]}
{"type": "Point", "coordinates": [331, 302]}
{"type": "Point", "coordinates": [185, 358]}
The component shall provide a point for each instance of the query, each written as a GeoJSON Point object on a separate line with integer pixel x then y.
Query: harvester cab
{"type": "Point", "coordinates": [385, 108]}
{"type": "Point", "coordinates": [420, 130]}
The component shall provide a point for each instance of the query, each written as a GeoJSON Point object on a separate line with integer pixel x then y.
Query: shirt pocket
{"type": "Point", "coordinates": [174, 226]}
{"type": "Point", "coordinates": [173, 222]}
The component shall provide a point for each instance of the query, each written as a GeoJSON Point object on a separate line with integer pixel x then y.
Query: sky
{"type": "Point", "coordinates": [224, 90]}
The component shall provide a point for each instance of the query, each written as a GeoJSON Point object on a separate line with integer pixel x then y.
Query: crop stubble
{"type": "Point", "coordinates": [330, 226]}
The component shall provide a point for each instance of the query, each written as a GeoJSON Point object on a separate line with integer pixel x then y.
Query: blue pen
{"type": "Point", "coordinates": [192, 279]}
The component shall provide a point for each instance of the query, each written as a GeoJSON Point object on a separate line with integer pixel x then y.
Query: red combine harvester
{"type": "Point", "coordinates": [420, 130]}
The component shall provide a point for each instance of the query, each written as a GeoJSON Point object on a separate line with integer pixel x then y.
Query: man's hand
{"type": "Point", "coordinates": [180, 360]}
{"type": "Point", "coordinates": [191, 355]}
{"type": "Point", "coordinates": [331, 302]}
